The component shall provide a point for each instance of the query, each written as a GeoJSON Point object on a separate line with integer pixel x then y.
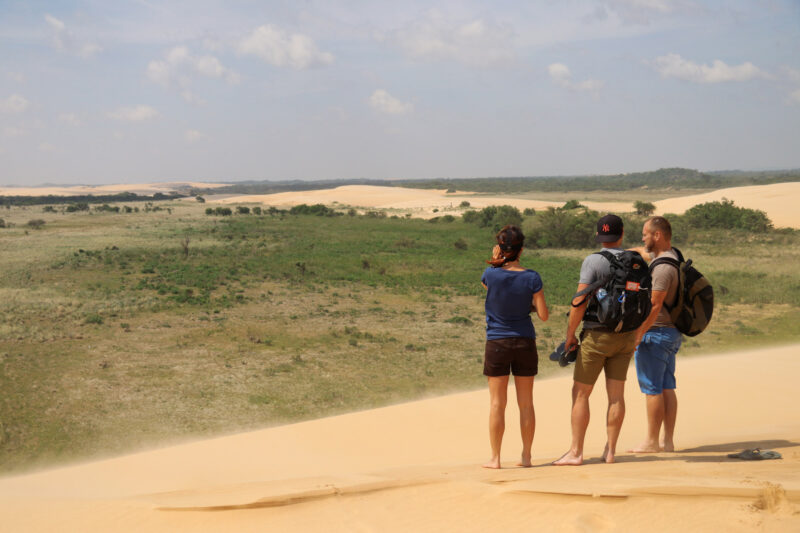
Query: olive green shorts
{"type": "Point", "coordinates": [600, 350]}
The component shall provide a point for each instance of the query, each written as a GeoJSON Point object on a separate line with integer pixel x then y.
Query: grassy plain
{"type": "Point", "coordinates": [114, 337]}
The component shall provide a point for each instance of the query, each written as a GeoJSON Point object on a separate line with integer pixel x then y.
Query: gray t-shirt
{"type": "Point", "coordinates": [596, 267]}
{"type": "Point", "coordinates": [665, 278]}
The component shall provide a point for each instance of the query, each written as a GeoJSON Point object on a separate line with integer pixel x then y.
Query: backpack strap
{"type": "Point", "coordinates": [677, 265]}
{"type": "Point", "coordinates": [588, 290]}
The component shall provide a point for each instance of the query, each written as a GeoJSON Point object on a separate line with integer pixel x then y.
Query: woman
{"type": "Point", "coordinates": [512, 294]}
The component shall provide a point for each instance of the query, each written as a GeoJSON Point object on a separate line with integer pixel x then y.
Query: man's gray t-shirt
{"type": "Point", "coordinates": [665, 278]}
{"type": "Point", "coordinates": [596, 267]}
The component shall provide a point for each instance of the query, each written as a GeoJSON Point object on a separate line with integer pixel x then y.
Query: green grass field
{"type": "Point", "coordinates": [117, 335]}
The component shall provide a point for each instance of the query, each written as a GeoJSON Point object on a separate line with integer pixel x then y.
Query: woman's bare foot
{"type": "Point", "coordinates": [608, 455]}
{"type": "Point", "coordinates": [569, 459]}
{"type": "Point", "coordinates": [492, 463]}
{"type": "Point", "coordinates": [668, 446]}
{"type": "Point", "coordinates": [525, 462]}
{"type": "Point", "coordinates": [646, 447]}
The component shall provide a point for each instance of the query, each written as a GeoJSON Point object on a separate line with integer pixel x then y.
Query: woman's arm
{"type": "Point", "coordinates": [541, 306]}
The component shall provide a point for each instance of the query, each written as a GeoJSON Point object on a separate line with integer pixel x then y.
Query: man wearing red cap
{"type": "Point", "coordinates": [601, 350]}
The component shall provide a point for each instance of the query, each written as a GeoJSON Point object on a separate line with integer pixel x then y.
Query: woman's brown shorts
{"type": "Point", "coordinates": [516, 355]}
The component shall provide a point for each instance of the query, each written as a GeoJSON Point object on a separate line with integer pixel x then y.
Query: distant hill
{"type": "Point", "coordinates": [664, 178]}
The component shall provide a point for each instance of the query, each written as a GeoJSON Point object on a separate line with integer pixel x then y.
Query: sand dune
{"type": "Point", "coordinates": [777, 200]}
{"type": "Point", "coordinates": [780, 201]}
{"type": "Point", "coordinates": [413, 467]}
{"type": "Point", "coordinates": [136, 188]}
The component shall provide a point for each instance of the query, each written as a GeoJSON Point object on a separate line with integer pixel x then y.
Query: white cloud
{"type": "Point", "coordinates": [476, 43]}
{"type": "Point", "coordinates": [133, 114]}
{"type": "Point", "coordinates": [674, 66]}
{"type": "Point", "coordinates": [14, 104]}
{"type": "Point", "coordinates": [16, 77]}
{"type": "Point", "coordinates": [179, 67]}
{"type": "Point", "coordinates": [794, 97]}
{"type": "Point", "coordinates": [642, 12]}
{"type": "Point", "coordinates": [70, 118]}
{"type": "Point", "coordinates": [12, 132]}
{"type": "Point", "coordinates": [192, 136]}
{"type": "Point", "coordinates": [192, 98]}
{"type": "Point", "coordinates": [280, 49]}
{"type": "Point", "coordinates": [47, 148]}
{"type": "Point", "coordinates": [386, 103]}
{"type": "Point", "coordinates": [792, 73]}
{"type": "Point", "coordinates": [562, 77]}
{"type": "Point", "coordinates": [63, 39]}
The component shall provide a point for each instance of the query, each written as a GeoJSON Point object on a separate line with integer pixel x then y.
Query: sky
{"type": "Point", "coordinates": [95, 92]}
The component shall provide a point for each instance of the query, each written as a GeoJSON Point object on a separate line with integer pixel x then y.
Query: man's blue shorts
{"type": "Point", "coordinates": [655, 359]}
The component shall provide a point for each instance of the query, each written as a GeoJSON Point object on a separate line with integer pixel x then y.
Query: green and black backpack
{"type": "Point", "coordinates": [694, 300]}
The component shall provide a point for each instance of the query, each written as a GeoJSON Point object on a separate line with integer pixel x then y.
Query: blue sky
{"type": "Point", "coordinates": [113, 92]}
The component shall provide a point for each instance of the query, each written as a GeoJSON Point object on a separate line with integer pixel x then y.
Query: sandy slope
{"type": "Point", "coordinates": [777, 200]}
{"type": "Point", "coordinates": [413, 467]}
{"type": "Point", "coordinates": [780, 201]}
{"type": "Point", "coordinates": [137, 188]}
{"type": "Point", "coordinates": [418, 202]}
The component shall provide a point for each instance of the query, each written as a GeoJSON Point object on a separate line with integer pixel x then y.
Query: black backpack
{"type": "Point", "coordinates": [621, 303]}
{"type": "Point", "coordinates": [694, 300]}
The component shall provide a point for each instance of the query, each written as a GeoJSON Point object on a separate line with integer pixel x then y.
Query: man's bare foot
{"type": "Point", "coordinates": [668, 446]}
{"type": "Point", "coordinates": [569, 459]}
{"type": "Point", "coordinates": [525, 462]}
{"type": "Point", "coordinates": [646, 447]}
{"type": "Point", "coordinates": [492, 463]}
{"type": "Point", "coordinates": [608, 455]}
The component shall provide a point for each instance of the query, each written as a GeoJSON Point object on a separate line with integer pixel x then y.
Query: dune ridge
{"type": "Point", "coordinates": [413, 466]}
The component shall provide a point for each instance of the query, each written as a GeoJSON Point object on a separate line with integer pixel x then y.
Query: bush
{"type": "Point", "coordinates": [36, 223]}
{"type": "Point", "coordinates": [242, 210]}
{"type": "Point", "coordinates": [558, 228]}
{"type": "Point", "coordinates": [447, 218]}
{"type": "Point", "coordinates": [2, 223]}
{"type": "Point", "coordinates": [223, 211]}
{"type": "Point", "coordinates": [644, 208]}
{"type": "Point", "coordinates": [316, 209]}
{"type": "Point", "coordinates": [529, 212]}
{"type": "Point", "coordinates": [49, 209]}
{"type": "Point", "coordinates": [200, 199]}
{"type": "Point", "coordinates": [256, 210]}
{"type": "Point", "coordinates": [494, 217]}
{"type": "Point", "coordinates": [209, 210]}
{"type": "Point", "coordinates": [461, 244]}
{"type": "Point", "coordinates": [571, 204]}
{"type": "Point", "coordinates": [726, 215]}
{"type": "Point", "coordinates": [80, 206]}
{"type": "Point", "coordinates": [464, 204]}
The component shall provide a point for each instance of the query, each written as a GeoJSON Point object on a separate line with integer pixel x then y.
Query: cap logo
{"type": "Point", "coordinates": [606, 228]}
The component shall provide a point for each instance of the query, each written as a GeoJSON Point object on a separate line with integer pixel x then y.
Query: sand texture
{"type": "Point", "coordinates": [414, 467]}
{"type": "Point", "coordinates": [778, 200]}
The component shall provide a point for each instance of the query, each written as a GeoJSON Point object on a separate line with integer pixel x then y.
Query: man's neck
{"type": "Point", "coordinates": [665, 248]}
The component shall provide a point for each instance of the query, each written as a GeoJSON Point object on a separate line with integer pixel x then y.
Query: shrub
{"type": "Point", "coordinates": [200, 199]}
{"type": "Point", "coordinates": [461, 244]}
{"type": "Point", "coordinates": [726, 215]}
{"type": "Point", "coordinates": [242, 210]}
{"type": "Point", "coordinates": [447, 218]}
{"type": "Point", "coordinates": [464, 204]}
{"type": "Point", "coordinates": [256, 210]}
{"type": "Point", "coordinates": [80, 206]}
{"type": "Point", "coordinates": [36, 223]}
{"type": "Point", "coordinates": [644, 208]}
{"type": "Point", "coordinates": [494, 217]}
{"type": "Point", "coordinates": [209, 210]}
{"type": "Point", "coordinates": [223, 211]}
{"type": "Point", "coordinates": [571, 204]}
{"type": "Point", "coordinates": [94, 318]}
{"type": "Point", "coordinates": [529, 212]}
{"type": "Point", "coordinates": [558, 228]}
{"type": "Point", "coordinates": [2, 223]}
{"type": "Point", "coordinates": [375, 214]}
{"type": "Point", "coordinates": [316, 209]}
{"type": "Point", "coordinates": [49, 209]}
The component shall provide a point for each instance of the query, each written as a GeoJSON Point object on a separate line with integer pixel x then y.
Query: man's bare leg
{"type": "Point", "coordinates": [655, 417]}
{"type": "Point", "coordinates": [670, 415]}
{"type": "Point", "coordinates": [616, 414]}
{"type": "Point", "coordinates": [527, 416]}
{"type": "Point", "coordinates": [498, 396]}
{"type": "Point", "coordinates": [580, 421]}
